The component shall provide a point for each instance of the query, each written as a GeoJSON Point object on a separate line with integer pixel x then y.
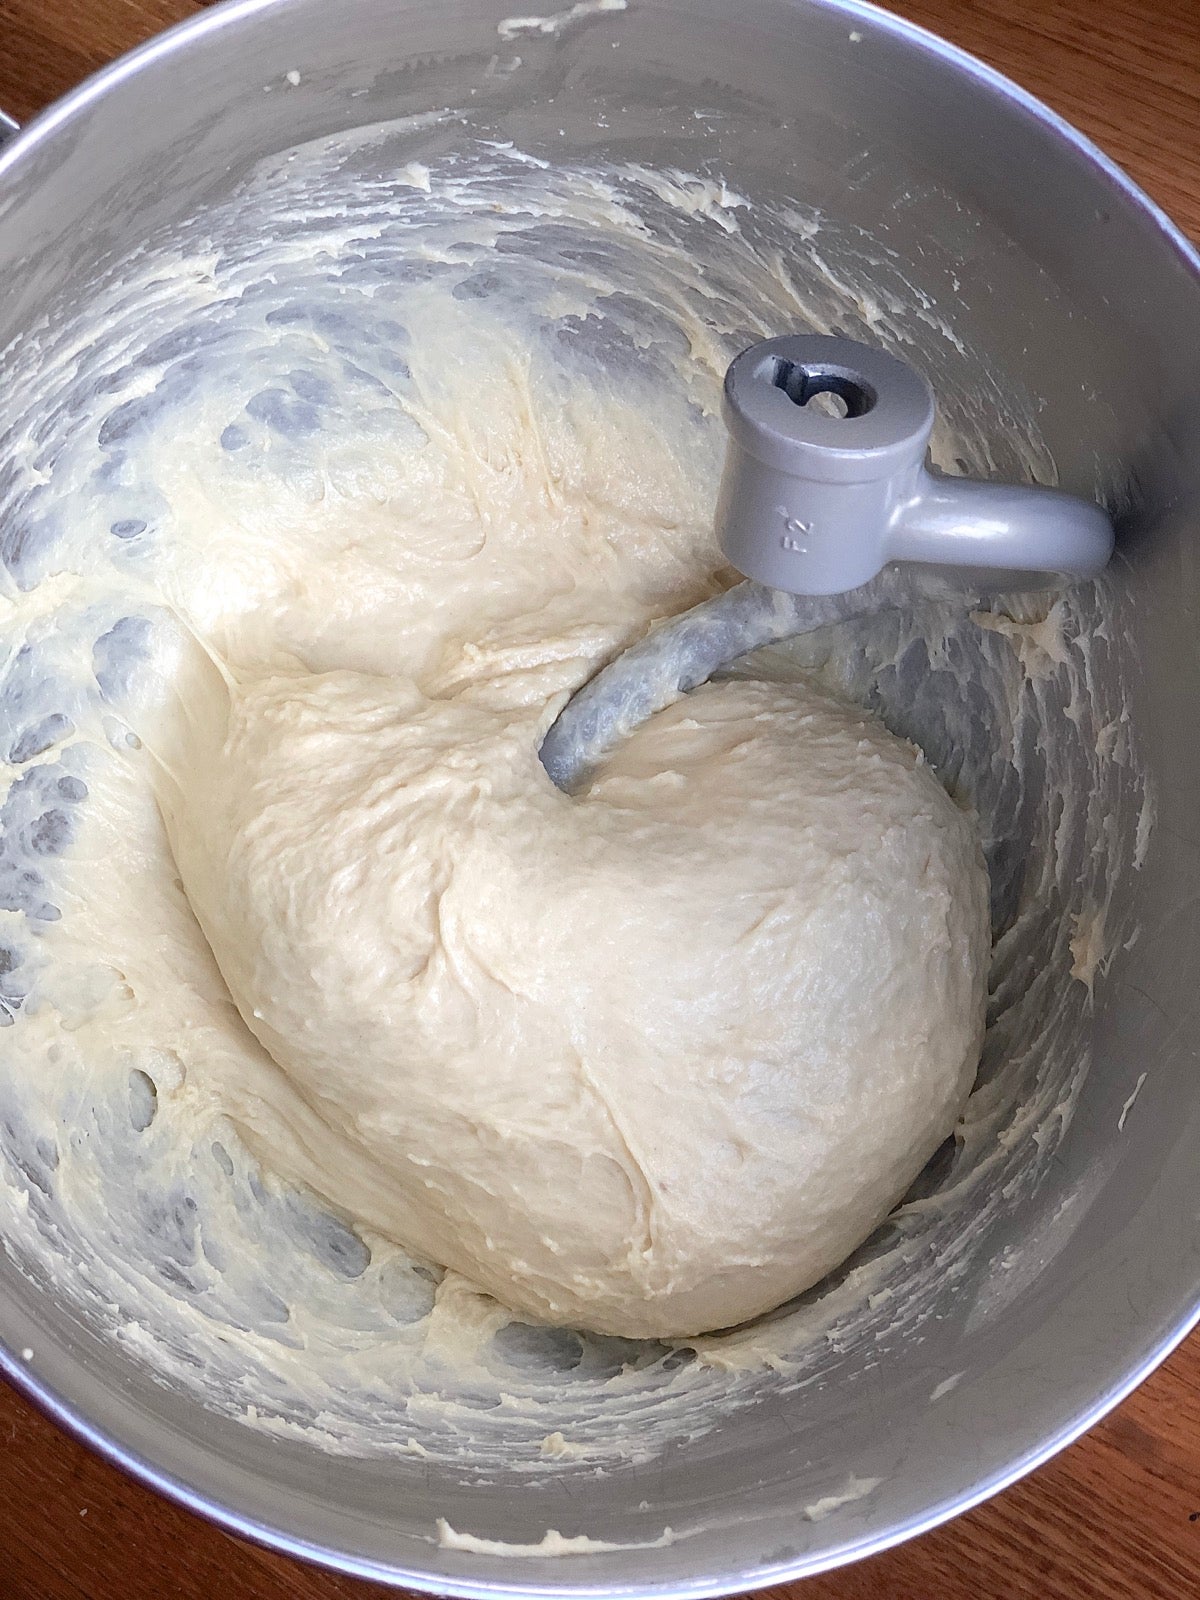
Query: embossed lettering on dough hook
{"type": "Point", "coordinates": [827, 506]}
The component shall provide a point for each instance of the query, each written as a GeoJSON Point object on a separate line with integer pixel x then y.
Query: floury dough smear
{"type": "Point", "coordinates": [353, 1069]}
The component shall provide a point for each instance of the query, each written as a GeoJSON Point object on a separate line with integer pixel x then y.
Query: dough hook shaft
{"type": "Point", "coordinates": [825, 499]}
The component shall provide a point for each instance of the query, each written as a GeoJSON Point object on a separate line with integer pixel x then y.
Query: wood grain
{"type": "Point", "coordinates": [1115, 1517]}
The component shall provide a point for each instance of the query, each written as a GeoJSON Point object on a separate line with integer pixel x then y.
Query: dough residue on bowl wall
{"type": "Point", "coordinates": [276, 365]}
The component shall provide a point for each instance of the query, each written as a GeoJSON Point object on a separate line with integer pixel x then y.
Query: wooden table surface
{"type": "Point", "coordinates": [1115, 1517]}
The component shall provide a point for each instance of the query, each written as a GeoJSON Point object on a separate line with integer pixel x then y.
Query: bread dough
{"type": "Point", "coordinates": [647, 1061]}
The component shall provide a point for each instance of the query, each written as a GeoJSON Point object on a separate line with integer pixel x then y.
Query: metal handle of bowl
{"type": "Point", "coordinates": [825, 481]}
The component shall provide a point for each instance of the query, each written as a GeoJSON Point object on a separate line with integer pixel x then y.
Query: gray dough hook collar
{"type": "Point", "coordinates": [827, 506]}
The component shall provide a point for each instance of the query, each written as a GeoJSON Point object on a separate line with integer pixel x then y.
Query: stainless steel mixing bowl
{"type": "Point", "coordinates": [1068, 277]}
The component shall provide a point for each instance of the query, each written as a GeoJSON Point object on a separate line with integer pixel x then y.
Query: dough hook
{"type": "Point", "coordinates": [828, 508]}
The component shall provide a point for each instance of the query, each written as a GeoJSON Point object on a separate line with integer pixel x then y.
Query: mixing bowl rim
{"type": "Point", "coordinates": [438, 1584]}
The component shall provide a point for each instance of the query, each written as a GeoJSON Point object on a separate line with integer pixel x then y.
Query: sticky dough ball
{"type": "Point", "coordinates": [648, 1061]}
